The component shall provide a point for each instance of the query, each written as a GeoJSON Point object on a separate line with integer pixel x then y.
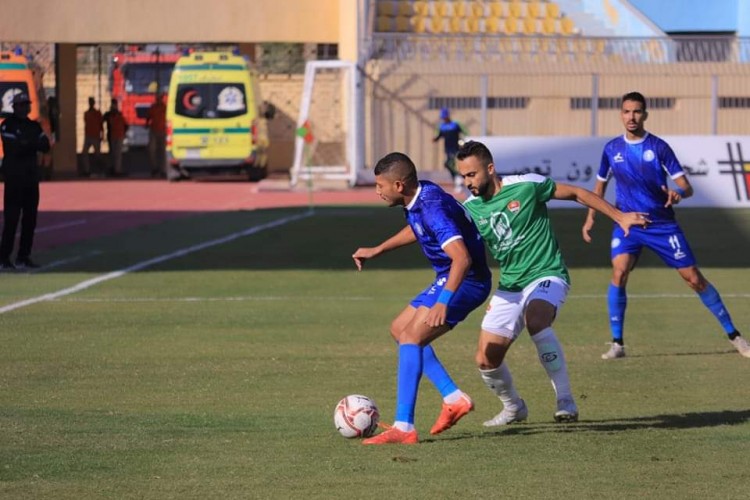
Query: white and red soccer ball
{"type": "Point", "coordinates": [356, 416]}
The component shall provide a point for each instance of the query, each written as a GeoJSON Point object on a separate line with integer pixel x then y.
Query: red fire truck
{"type": "Point", "coordinates": [136, 73]}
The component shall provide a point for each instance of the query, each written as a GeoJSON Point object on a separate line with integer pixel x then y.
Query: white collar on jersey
{"type": "Point", "coordinates": [638, 141]}
{"type": "Point", "coordinates": [414, 200]}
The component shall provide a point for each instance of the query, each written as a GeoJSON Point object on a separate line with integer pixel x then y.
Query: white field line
{"type": "Point", "coordinates": [83, 285]}
{"type": "Point", "coordinates": [275, 298]}
{"type": "Point", "coordinates": [62, 262]}
{"type": "Point", "coordinates": [63, 225]}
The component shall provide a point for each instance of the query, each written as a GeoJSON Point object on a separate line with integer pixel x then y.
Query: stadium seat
{"type": "Point", "coordinates": [421, 8]}
{"type": "Point", "coordinates": [477, 9]}
{"type": "Point", "coordinates": [493, 25]}
{"type": "Point", "coordinates": [567, 27]}
{"type": "Point", "coordinates": [498, 9]}
{"type": "Point", "coordinates": [472, 24]}
{"type": "Point", "coordinates": [455, 24]}
{"type": "Point", "coordinates": [459, 8]}
{"type": "Point", "coordinates": [403, 24]}
{"type": "Point", "coordinates": [384, 24]}
{"type": "Point", "coordinates": [550, 26]}
{"type": "Point", "coordinates": [535, 9]}
{"type": "Point", "coordinates": [386, 8]}
{"type": "Point", "coordinates": [405, 8]}
{"type": "Point", "coordinates": [441, 8]}
{"type": "Point", "coordinates": [517, 9]}
{"type": "Point", "coordinates": [437, 24]}
{"type": "Point", "coordinates": [419, 24]}
{"type": "Point", "coordinates": [552, 10]}
{"type": "Point", "coordinates": [529, 26]}
{"type": "Point", "coordinates": [511, 26]}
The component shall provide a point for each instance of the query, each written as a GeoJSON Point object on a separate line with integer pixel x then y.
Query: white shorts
{"type": "Point", "coordinates": [505, 312]}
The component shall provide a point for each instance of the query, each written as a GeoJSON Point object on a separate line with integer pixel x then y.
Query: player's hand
{"type": "Point", "coordinates": [362, 254]}
{"type": "Point", "coordinates": [673, 197]}
{"type": "Point", "coordinates": [630, 219]}
{"type": "Point", "coordinates": [586, 229]}
{"type": "Point", "coordinates": [436, 316]}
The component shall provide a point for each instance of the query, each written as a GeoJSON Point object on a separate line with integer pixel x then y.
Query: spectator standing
{"type": "Point", "coordinates": [451, 132]}
{"type": "Point", "coordinates": [157, 136]}
{"type": "Point", "coordinates": [116, 130]}
{"type": "Point", "coordinates": [22, 140]}
{"type": "Point", "coordinates": [93, 131]}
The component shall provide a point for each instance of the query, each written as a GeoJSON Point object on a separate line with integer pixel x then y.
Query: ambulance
{"type": "Point", "coordinates": [215, 121]}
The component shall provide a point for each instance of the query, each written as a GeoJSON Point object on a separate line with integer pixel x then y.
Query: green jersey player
{"type": "Point", "coordinates": [511, 215]}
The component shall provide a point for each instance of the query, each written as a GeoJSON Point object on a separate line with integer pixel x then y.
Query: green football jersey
{"type": "Point", "coordinates": [516, 228]}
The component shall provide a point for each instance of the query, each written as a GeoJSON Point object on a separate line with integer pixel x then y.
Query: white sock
{"type": "Point", "coordinates": [403, 426]}
{"type": "Point", "coordinates": [500, 381]}
{"type": "Point", "coordinates": [453, 396]}
{"type": "Point", "coordinates": [553, 360]}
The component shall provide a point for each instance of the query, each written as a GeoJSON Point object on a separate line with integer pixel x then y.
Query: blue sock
{"type": "Point", "coordinates": [712, 300]}
{"type": "Point", "coordinates": [435, 371]}
{"type": "Point", "coordinates": [617, 299]}
{"type": "Point", "coordinates": [409, 373]}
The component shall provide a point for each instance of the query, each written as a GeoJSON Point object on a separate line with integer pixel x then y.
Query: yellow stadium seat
{"type": "Point", "coordinates": [421, 7]}
{"type": "Point", "coordinates": [535, 9]}
{"type": "Point", "coordinates": [567, 26]}
{"type": "Point", "coordinates": [403, 25]}
{"type": "Point", "coordinates": [459, 8]}
{"type": "Point", "coordinates": [511, 25]}
{"type": "Point", "coordinates": [493, 25]}
{"type": "Point", "coordinates": [419, 24]}
{"type": "Point", "coordinates": [437, 24]}
{"type": "Point", "coordinates": [517, 9]}
{"type": "Point", "coordinates": [549, 26]}
{"type": "Point", "coordinates": [455, 24]}
{"type": "Point", "coordinates": [529, 26]}
{"type": "Point", "coordinates": [497, 9]}
{"type": "Point", "coordinates": [387, 8]}
{"type": "Point", "coordinates": [405, 8]}
{"type": "Point", "coordinates": [384, 24]}
{"type": "Point", "coordinates": [477, 9]}
{"type": "Point", "coordinates": [552, 10]}
{"type": "Point", "coordinates": [442, 8]}
{"type": "Point", "coordinates": [472, 24]}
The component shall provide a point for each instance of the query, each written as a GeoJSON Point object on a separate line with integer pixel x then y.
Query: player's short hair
{"type": "Point", "coordinates": [476, 149]}
{"type": "Point", "coordinates": [634, 96]}
{"type": "Point", "coordinates": [397, 166]}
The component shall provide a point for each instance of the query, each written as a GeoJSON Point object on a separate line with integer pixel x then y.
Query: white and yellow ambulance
{"type": "Point", "coordinates": [215, 124]}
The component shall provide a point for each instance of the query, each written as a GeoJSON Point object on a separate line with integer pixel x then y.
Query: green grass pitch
{"type": "Point", "coordinates": [215, 374]}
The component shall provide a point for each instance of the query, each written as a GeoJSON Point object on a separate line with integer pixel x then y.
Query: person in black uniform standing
{"type": "Point", "coordinates": [22, 140]}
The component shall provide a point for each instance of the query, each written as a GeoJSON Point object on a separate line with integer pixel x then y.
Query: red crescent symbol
{"type": "Point", "coordinates": [187, 98]}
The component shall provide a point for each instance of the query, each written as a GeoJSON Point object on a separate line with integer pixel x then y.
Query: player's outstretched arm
{"type": "Point", "coordinates": [592, 200]}
{"type": "Point", "coordinates": [460, 264]}
{"type": "Point", "coordinates": [599, 189]}
{"type": "Point", "coordinates": [403, 237]}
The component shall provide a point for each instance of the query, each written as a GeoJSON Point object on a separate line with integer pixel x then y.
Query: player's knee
{"type": "Point", "coordinates": [536, 325]}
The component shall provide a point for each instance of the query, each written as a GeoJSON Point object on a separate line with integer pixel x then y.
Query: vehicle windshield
{"type": "Point", "coordinates": [147, 78]}
{"type": "Point", "coordinates": [210, 100]}
{"type": "Point", "coordinates": [7, 91]}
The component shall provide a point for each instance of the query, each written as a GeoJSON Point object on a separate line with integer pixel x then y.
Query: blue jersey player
{"type": "Point", "coordinates": [451, 132]}
{"type": "Point", "coordinates": [640, 163]}
{"type": "Point", "coordinates": [452, 244]}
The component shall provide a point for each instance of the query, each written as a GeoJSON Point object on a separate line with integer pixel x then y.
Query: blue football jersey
{"type": "Point", "coordinates": [438, 219]}
{"type": "Point", "coordinates": [640, 169]}
{"type": "Point", "coordinates": [451, 134]}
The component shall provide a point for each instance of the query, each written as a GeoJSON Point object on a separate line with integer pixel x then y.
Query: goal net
{"type": "Point", "coordinates": [328, 145]}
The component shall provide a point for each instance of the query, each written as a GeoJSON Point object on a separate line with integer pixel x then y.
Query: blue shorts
{"type": "Point", "coordinates": [470, 295]}
{"type": "Point", "coordinates": [665, 240]}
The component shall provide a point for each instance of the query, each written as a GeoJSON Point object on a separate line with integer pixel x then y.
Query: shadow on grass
{"type": "Point", "coordinates": [680, 421]}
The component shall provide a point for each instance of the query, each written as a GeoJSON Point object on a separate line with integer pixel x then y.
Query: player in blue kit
{"type": "Point", "coordinates": [640, 163]}
{"type": "Point", "coordinates": [451, 132]}
{"type": "Point", "coordinates": [452, 244]}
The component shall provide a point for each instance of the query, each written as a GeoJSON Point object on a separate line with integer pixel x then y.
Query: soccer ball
{"type": "Point", "coordinates": [356, 416]}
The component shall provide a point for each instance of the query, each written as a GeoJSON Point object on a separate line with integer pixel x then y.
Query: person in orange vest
{"type": "Point", "coordinates": [93, 131]}
{"type": "Point", "coordinates": [157, 136]}
{"type": "Point", "coordinates": [116, 129]}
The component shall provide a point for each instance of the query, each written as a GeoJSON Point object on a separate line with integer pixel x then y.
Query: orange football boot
{"type": "Point", "coordinates": [452, 413]}
{"type": "Point", "coordinates": [393, 436]}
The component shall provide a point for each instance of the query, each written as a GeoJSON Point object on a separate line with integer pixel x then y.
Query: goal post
{"type": "Point", "coordinates": [331, 109]}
